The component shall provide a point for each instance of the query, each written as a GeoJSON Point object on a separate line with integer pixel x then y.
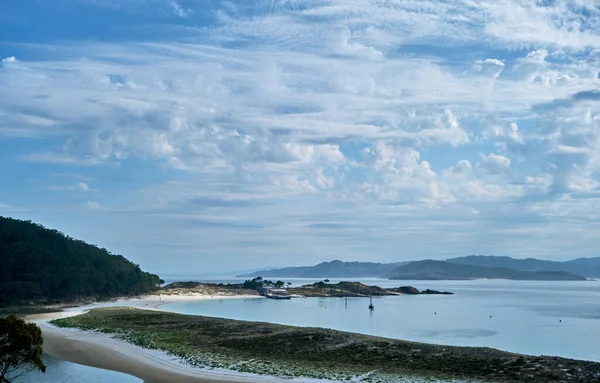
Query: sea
{"type": "Point", "coordinates": [529, 317]}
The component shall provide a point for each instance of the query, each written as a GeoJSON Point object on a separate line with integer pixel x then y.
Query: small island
{"type": "Point", "coordinates": [356, 289]}
{"type": "Point", "coordinates": [261, 287]}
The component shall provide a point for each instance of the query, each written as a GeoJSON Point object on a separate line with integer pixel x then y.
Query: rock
{"type": "Point", "coordinates": [428, 291]}
{"type": "Point", "coordinates": [405, 290]}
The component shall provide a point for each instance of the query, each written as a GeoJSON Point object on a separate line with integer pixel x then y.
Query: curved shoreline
{"type": "Point", "coordinates": [103, 351]}
{"type": "Point", "coordinates": [279, 352]}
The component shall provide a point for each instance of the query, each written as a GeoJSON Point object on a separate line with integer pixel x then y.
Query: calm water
{"type": "Point", "coordinates": [525, 318]}
{"type": "Point", "coordinates": [65, 372]}
{"type": "Point", "coordinates": [537, 318]}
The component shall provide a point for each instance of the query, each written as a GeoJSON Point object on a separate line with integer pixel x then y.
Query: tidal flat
{"type": "Point", "coordinates": [288, 351]}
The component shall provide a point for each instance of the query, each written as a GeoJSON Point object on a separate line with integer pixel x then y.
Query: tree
{"type": "Point", "coordinates": [279, 284]}
{"type": "Point", "coordinates": [39, 265]}
{"type": "Point", "coordinates": [326, 281]}
{"type": "Point", "coordinates": [251, 284]}
{"type": "Point", "coordinates": [289, 284]}
{"type": "Point", "coordinates": [20, 348]}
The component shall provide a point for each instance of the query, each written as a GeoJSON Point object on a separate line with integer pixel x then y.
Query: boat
{"type": "Point", "coordinates": [275, 296]}
{"type": "Point", "coordinates": [371, 307]}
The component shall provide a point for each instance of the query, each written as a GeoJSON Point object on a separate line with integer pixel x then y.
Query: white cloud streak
{"type": "Point", "coordinates": [408, 111]}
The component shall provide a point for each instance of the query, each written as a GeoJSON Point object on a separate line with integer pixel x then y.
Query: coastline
{"type": "Point", "coordinates": [286, 352]}
{"type": "Point", "coordinates": [104, 351]}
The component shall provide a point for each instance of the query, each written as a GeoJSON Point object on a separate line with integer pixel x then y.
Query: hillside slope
{"type": "Point", "coordinates": [442, 270]}
{"type": "Point", "coordinates": [587, 267]}
{"type": "Point", "coordinates": [44, 265]}
{"type": "Point", "coordinates": [333, 269]}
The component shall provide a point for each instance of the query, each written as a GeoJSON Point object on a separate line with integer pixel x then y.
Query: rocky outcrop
{"type": "Point", "coordinates": [354, 289]}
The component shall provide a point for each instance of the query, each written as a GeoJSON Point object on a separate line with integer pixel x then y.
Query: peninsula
{"type": "Point", "coordinates": [286, 351]}
{"type": "Point", "coordinates": [317, 289]}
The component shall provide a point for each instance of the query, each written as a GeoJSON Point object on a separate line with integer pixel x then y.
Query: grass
{"type": "Point", "coordinates": [287, 351]}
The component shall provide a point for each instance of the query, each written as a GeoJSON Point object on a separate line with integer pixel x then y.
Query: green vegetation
{"type": "Point", "coordinates": [353, 289]}
{"type": "Point", "coordinates": [288, 351]}
{"type": "Point", "coordinates": [259, 282]}
{"type": "Point", "coordinates": [444, 270]}
{"type": "Point", "coordinates": [20, 348]}
{"type": "Point", "coordinates": [40, 265]}
{"type": "Point", "coordinates": [317, 289]}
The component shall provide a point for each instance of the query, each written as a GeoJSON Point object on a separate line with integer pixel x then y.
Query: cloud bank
{"type": "Point", "coordinates": [229, 134]}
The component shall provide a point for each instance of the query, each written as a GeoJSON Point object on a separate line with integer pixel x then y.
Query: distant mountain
{"type": "Point", "coordinates": [587, 267]}
{"type": "Point", "coordinates": [595, 262]}
{"type": "Point", "coordinates": [333, 269]}
{"type": "Point", "coordinates": [443, 270]}
{"type": "Point", "coordinates": [469, 267]}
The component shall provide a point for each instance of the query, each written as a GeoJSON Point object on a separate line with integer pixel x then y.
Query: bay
{"type": "Point", "coordinates": [529, 317]}
{"type": "Point", "coordinates": [537, 318]}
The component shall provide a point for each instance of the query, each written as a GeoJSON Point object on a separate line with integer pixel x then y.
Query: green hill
{"type": "Point", "coordinates": [40, 265]}
{"type": "Point", "coordinates": [443, 270]}
{"type": "Point", "coordinates": [587, 267]}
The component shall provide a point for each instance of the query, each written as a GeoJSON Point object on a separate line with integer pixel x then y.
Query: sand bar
{"type": "Point", "coordinates": [102, 351]}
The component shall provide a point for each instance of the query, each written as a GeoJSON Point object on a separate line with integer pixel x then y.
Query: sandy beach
{"type": "Point", "coordinates": [103, 351]}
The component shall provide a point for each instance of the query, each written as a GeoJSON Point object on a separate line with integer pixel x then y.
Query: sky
{"type": "Point", "coordinates": [216, 136]}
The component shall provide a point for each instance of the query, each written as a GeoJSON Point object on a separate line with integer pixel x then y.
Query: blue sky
{"type": "Point", "coordinates": [214, 136]}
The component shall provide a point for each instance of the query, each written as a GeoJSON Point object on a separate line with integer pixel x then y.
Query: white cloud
{"type": "Point", "coordinates": [495, 163]}
{"type": "Point", "coordinates": [93, 205]}
{"type": "Point", "coordinates": [363, 111]}
{"type": "Point", "coordinates": [179, 11]}
{"type": "Point", "coordinates": [342, 44]}
{"type": "Point", "coordinates": [10, 59]}
{"type": "Point", "coordinates": [79, 186]}
{"type": "Point", "coordinates": [82, 186]}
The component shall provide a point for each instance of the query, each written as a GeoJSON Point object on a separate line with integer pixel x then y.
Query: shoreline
{"type": "Point", "coordinates": [279, 352]}
{"type": "Point", "coordinates": [103, 351]}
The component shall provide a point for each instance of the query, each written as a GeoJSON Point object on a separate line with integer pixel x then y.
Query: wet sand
{"type": "Point", "coordinates": [101, 351]}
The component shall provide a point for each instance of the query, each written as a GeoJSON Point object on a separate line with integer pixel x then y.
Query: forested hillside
{"type": "Point", "coordinates": [44, 265]}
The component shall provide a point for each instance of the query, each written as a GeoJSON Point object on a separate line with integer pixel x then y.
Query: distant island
{"type": "Point", "coordinates": [257, 285]}
{"type": "Point", "coordinates": [41, 266]}
{"type": "Point", "coordinates": [443, 270]}
{"type": "Point", "coordinates": [333, 269]}
{"type": "Point", "coordinates": [463, 268]}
